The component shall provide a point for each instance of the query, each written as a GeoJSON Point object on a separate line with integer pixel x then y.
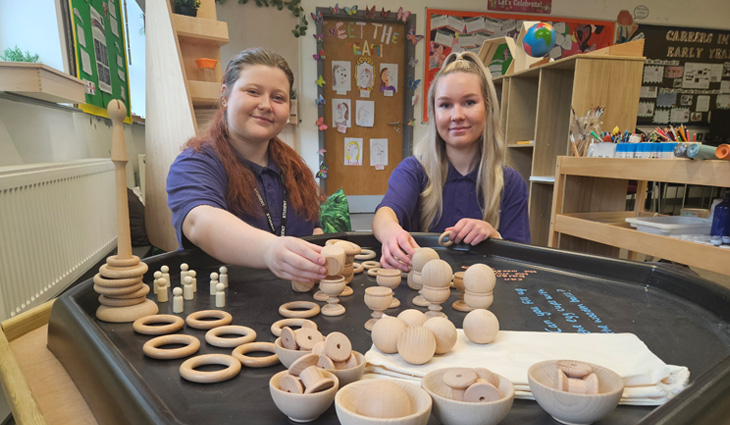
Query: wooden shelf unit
{"type": "Point", "coordinates": [41, 82]}
{"type": "Point", "coordinates": [536, 106]}
{"type": "Point", "coordinates": [589, 205]}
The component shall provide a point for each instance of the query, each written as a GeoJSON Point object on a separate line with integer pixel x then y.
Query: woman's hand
{"type": "Point", "coordinates": [397, 248]}
{"type": "Point", "coordinates": [472, 231]}
{"type": "Point", "coordinates": [292, 258]}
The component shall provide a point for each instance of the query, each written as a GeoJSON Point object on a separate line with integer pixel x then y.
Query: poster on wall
{"type": "Point", "coordinates": [457, 31]}
{"type": "Point", "coordinates": [99, 54]}
{"type": "Point", "coordinates": [686, 74]}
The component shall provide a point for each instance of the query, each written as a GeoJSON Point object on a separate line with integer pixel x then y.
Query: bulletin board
{"type": "Point", "coordinates": [365, 98]}
{"type": "Point", "coordinates": [451, 30]}
{"type": "Point", "coordinates": [100, 56]}
{"type": "Point", "coordinates": [686, 74]}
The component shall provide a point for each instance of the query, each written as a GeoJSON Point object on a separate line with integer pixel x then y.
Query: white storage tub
{"type": "Point", "coordinates": [671, 225]}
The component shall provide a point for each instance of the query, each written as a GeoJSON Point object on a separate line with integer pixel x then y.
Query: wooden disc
{"type": "Point", "coordinates": [481, 392]}
{"type": "Point", "coordinates": [214, 338]}
{"type": "Point", "coordinates": [171, 323]}
{"type": "Point", "coordinates": [459, 378]}
{"type": "Point", "coordinates": [151, 347]}
{"type": "Point", "coordinates": [338, 346]}
{"type": "Point", "coordinates": [307, 337]}
{"type": "Point", "coordinates": [325, 362]}
{"type": "Point", "coordinates": [126, 314]}
{"type": "Point", "coordinates": [291, 384]}
{"type": "Point", "coordinates": [314, 380]}
{"type": "Point", "coordinates": [243, 349]}
{"type": "Point", "coordinates": [198, 319]}
{"type": "Point", "coordinates": [303, 362]}
{"type": "Point", "coordinates": [575, 368]}
{"type": "Point", "coordinates": [288, 338]}
{"type": "Point", "coordinates": [188, 372]}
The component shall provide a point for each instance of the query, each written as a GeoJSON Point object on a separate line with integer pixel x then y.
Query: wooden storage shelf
{"type": "Point", "coordinates": [609, 228]}
{"type": "Point", "coordinates": [204, 93]}
{"type": "Point", "coordinates": [536, 105]}
{"type": "Point", "coordinates": [201, 30]}
{"type": "Point", "coordinates": [41, 82]}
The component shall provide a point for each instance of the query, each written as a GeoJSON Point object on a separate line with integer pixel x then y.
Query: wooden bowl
{"type": "Point", "coordinates": [346, 405]}
{"type": "Point", "coordinates": [287, 356]}
{"type": "Point", "coordinates": [571, 408]}
{"type": "Point", "coordinates": [352, 374]}
{"type": "Point", "coordinates": [454, 412]}
{"type": "Point", "coordinates": [302, 407]}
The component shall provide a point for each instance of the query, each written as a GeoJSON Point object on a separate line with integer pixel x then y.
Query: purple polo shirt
{"type": "Point", "coordinates": [409, 179]}
{"type": "Point", "coordinates": [198, 178]}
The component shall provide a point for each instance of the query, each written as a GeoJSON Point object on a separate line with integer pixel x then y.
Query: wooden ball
{"type": "Point", "coordinates": [416, 345]}
{"type": "Point", "coordinates": [437, 274]}
{"type": "Point", "coordinates": [412, 317]}
{"type": "Point", "coordinates": [383, 399]}
{"type": "Point", "coordinates": [479, 278]}
{"type": "Point", "coordinates": [422, 256]}
{"type": "Point", "coordinates": [385, 334]}
{"type": "Point", "coordinates": [481, 326]}
{"type": "Point", "coordinates": [444, 331]}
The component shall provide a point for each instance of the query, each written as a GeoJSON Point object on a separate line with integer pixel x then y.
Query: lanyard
{"type": "Point", "coordinates": [268, 215]}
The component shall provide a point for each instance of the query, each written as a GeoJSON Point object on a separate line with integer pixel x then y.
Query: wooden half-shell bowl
{"type": "Point", "coordinates": [302, 407]}
{"type": "Point", "coordinates": [347, 398]}
{"type": "Point", "coordinates": [352, 374]}
{"type": "Point", "coordinates": [287, 356]}
{"type": "Point", "coordinates": [572, 408]}
{"type": "Point", "coordinates": [454, 412]}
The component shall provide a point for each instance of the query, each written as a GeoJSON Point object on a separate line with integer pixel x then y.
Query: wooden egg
{"type": "Point", "coordinates": [444, 331]}
{"type": "Point", "coordinates": [335, 259]}
{"type": "Point", "coordinates": [386, 332]}
{"type": "Point", "coordinates": [479, 278]}
{"type": "Point", "coordinates": [412, 317]}
{"type": "Point", "coordinates": [383, 399]}
{"type": "Point", "coordinates": [416, 345]}
{"type": "Point", "coordinates": [437, 274]}
{"type": "Point", "coordinates": [422, 256]}
{"type": "Point", "coordinates": [481, 326]}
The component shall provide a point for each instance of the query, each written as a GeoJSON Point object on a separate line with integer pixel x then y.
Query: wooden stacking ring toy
{"type": "Point", "coordinates": [370, 264]}
{"type": "Point", "coordinates": [374, 271]}
{"type": "Point", "coordinates": [120, 302]}
{"type": "Point", "coordinates": [213, 336]}
{"type": "Point", "coordinates": [143, 324]}
{"type": "Point", "coordinates": [188, 372]}
{"type": "Point", "coordinates": [312, 309]}
{"type": "Point", "coordinates": [268, 347]}
{"type": "Point", "coordinates": [445, 235]}
{"type": "Point", "coordinates": [115, 261]}
{"type": "Point", "coordinates": [357, 268]}
{"type": "Point", "coordinates": [198, 319]}
{"type": "Point", "coordinates": [152, 348]}
{"type": "Point", "coordinates": [365, 254]}
{"type": "Point", "coordinates": [304, 323]}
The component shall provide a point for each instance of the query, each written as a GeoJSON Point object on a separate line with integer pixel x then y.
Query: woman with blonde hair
{"type": "Point", "coordinates": [237, 191]}
{"type": "Point", "coordinates": [457, 181]}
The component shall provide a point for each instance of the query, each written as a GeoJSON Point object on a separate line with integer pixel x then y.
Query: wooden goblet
{"type": "Point", "coordinates": [389, 278]}
{"type": "Point", "coordinates": [377, 298]}
{"type": "Point", "coordinates": [332, 286]}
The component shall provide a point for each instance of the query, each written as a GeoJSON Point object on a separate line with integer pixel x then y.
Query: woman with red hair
{"type": "Point", "coordinates": [238, 192]}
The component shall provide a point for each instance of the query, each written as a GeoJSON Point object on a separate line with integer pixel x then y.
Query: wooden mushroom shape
{"type": "Point", "coordinates": [436, 279]}
{"type": "Point", "coordinates": [420, 257]}
{"type": "Point", "coordinates": [479, 282]}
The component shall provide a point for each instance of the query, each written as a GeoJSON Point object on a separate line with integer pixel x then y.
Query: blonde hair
{"type": "Point", "coordinates": [431, 152]}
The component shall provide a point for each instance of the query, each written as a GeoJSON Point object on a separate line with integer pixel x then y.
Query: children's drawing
{"type": "Point", "coordinates": [365, 113]}
{"type": "Point", "coordinates": [353, 150]}
{"type": "Point", "coordinates": [388, 78]}
{"type": "Point", "coordinates": [365, 76]}
{"type": "Point", "coordinates": [341, 77]}
{"type": "Point", "coordinates": [378, 153]}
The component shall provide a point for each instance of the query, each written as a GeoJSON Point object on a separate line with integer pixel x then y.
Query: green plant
{"type": "Point", "coordinates": [193, 4]}
{"type": "Point", "coordinates": [16, 55]}
{"type": "Point", "coordinates": [294, 6]}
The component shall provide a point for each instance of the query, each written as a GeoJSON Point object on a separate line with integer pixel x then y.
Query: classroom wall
{"type": "Point", "coordinates": [245, 31]}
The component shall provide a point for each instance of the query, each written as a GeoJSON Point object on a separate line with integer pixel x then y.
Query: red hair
{"type": "Point", "coordinates": [303, 193]}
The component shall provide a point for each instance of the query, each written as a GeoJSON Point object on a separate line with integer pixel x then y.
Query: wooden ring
{"type": "Point", "coordinates": [370, 264]}
{"type": "Point", "coordinates": [357, 268]}
{"type": "Point", "coordinates": [142, 325]}
{"type": "Point", "coordinates": [445, 235]}
{"type": "Point", "coordinates": [120, 302]}
{"type": "Point", "coordinates": [247, 361]}
{"type": "Point", "coordinates": [374, 272]}
{"type": "Point", "coordinates": [303, 323]}
{"type": "Point", "coordinates": [188, 372]}
{"type": "Point", "coordinates": [151, 347]}
{"type": "Point", "coordinates": [99, 280]}
{"type": "Point", "coordinates": [365, 254]}
{"type": "Point", "coordinates": [213, 336]}
{"type": "Point", "coordinates": [116, 261]}
{"type": "Point", "coordinates": [110, 272]}
{"type": "Point", "coordinates": [194, 319]}
{"type": "Point", "coordinates": [313, 309]}
{"type": "Point", "coordinates": [116, 292]}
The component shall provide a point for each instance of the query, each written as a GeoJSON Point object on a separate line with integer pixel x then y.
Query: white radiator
{"type": "Point", "coordinates": [56, 221]}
